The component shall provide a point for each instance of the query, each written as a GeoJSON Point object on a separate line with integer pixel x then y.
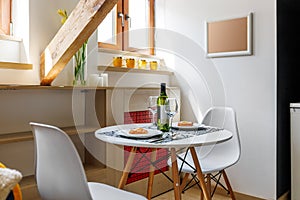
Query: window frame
{"type": "Point", "coordinates": [118, 44]}
{"type": "Point", "coordinates": [122, 38]}
{"type": "Point", "coordinates": [5, 16]}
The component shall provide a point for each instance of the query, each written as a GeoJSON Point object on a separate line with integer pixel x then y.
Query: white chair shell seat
{"type": "Point", "coordinates": [101, 191]}
{"type": "Point", "coordinates": [67, 180]}
{"type": "Point", "coordinates": [215, 158]}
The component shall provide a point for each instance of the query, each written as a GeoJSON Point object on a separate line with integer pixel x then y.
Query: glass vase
{"type": "Point", "coordinates": [80, 66]}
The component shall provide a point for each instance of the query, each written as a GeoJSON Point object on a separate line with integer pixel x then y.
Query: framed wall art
{"type": "Point", "coordinates": [231, 37]}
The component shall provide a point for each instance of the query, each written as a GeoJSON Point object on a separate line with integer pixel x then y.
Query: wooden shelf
{"type": "Point", "coordinates": [133, 70]}
{"type": "Point", "coordinates": [129, 53]}
{"type": "Point", "coordinates": [10, 38]}
{"type": "Point", "coordinates": [12, 65]}
{"type": "Point", "coordinates": [38, 87]}
{"type": "Point", "coordinates": [27, 136]}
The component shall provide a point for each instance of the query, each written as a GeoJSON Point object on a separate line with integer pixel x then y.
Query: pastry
{"type": "Point", "coordinates": [138, 131]}
{"type": "Point", "coordinates": [185, 123]}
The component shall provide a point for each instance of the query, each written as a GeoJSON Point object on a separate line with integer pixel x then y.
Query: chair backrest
{"type": "Point", "coordinates": [223, 117]}
{"type": "Point", "coordinates": [58, 168]}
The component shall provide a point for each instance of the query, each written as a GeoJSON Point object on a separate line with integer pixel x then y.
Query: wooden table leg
{"type": "Point", "coordinates": [127, 168]}
{"type": "Point", "coordinates": [151, 174]}
{"type": "Point", "coordinates": [176, 182]}
{"type": "Point", "coordinates": [200, 174]}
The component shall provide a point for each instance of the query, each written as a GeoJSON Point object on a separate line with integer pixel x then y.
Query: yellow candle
{"type": "Point", "coordinates": [142, 64]}
{"type": "Point", "coordinates": [130, 62]}
{"type": "Point", "coordinates": [117, 61]}
{"type": "Point", "coordinates": [153, 65]}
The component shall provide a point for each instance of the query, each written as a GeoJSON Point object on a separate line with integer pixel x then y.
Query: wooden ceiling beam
{"type": "Point", "coordinates": [81, 24]}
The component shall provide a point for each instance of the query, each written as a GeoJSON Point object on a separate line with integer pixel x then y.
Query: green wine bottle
{"type": "Point", "coordinates": [162, 117]}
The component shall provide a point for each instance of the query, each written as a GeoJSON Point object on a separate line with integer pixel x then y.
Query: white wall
{"type": "Point", "coordinates": [9, 51]}
{"type": "Point", "coordinates": [249, 82]}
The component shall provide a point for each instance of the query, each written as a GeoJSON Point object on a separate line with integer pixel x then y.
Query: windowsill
{"type": "Point", "coordinates": [134, 70]}
{"type": "Point", "coordinates": [13, 65]}
{"type": "Point", "coordinates": [128, 53]}
{"type": "Point", "coordinates": [134, 54]}
{"type": "Point", "coordinates": [10, 38]}
{"type": "Point", "coordinates": [83, 88]}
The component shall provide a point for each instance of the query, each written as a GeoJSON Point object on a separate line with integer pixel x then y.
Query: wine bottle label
{"type": "Point", "coordinates": [162, 115]}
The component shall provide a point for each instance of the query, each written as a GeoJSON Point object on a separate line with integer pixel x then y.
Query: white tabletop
{"type": "Point", "coordinates": [209, 138]}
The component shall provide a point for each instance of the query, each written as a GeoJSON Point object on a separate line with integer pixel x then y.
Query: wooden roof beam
{"type": "Point", "coordinates": [81, 23]}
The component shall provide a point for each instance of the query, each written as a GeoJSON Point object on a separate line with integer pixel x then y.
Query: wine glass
{"type": "Point", "coordinates": [171, 108]}
{"type": "Point", "coordinates": [152, 106]}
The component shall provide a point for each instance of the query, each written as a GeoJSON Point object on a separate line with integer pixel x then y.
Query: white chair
{"type": "Point", "coordinates": [215, 158]}
{"type": "Point", "coordinates": [60, 173]}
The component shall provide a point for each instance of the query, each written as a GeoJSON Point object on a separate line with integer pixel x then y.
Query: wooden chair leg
{"type": "Point", "coordinates": [228, 185]}
{"type": "Point", "coordinates": [183, 182]}
{"type": "Point", "coordinates": [208, 182]}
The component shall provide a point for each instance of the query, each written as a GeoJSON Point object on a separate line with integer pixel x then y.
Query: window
{"type": "Point", "coordinates": [5, 16]}
{"type": "Point", "coordinates": [117, 29]}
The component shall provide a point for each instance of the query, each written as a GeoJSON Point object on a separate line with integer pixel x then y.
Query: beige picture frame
{"type": "Point", "coordinates": [231, 37]}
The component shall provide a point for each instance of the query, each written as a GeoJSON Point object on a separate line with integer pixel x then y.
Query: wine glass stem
{"type": "Point", "coordinates": [171, 121]}
{"type": "Point", "coordinates": [153, 118]}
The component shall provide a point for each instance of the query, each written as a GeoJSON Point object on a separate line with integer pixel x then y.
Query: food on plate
{"type": "Point", "coordinates": [138, 131]}
{"type": "Point", "coordinates": [185, 123]}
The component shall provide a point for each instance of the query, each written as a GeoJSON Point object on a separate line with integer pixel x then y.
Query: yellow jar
{"type": "Point", "coordinates": [130, 62]}
{"type": "Point", "coordinates": [153, 65]}
{"type": "Point", "coordinates": [117, 61]}
{"type": "Point", "coordinates": [142, 64]}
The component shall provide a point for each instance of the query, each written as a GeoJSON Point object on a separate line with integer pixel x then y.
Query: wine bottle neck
{"type": "Point", "coordinates": [163, 90]}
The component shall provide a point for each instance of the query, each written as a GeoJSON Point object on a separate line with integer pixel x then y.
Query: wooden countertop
{"type": "Point", "coordinates": [38, 87]}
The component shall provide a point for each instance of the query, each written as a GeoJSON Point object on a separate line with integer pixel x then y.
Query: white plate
{"type": "Point", "coordinates": [151, 133]}
{"type": "Point", "coordinates": [193, 127]}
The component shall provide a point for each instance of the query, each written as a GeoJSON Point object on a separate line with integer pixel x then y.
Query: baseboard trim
{"type": "Point", "coordinates": [246, 197]}
{"type": "Point", "coordinates": [238, 195]}
{"type": "Point", "coordinates": [285, 196]}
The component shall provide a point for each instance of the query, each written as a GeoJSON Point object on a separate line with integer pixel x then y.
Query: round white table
{"type": "Point", "coordinates": [189, 142]}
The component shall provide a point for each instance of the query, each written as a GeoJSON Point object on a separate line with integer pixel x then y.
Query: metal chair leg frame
{"type": "Point", "coordinates": [217, 181]}
{"type": "Point", "coordinates": [190, 185]}
{"type": "Point", "coordinates": [215, 177]}
{"type": "Point", "coordinates": [154, 164]}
